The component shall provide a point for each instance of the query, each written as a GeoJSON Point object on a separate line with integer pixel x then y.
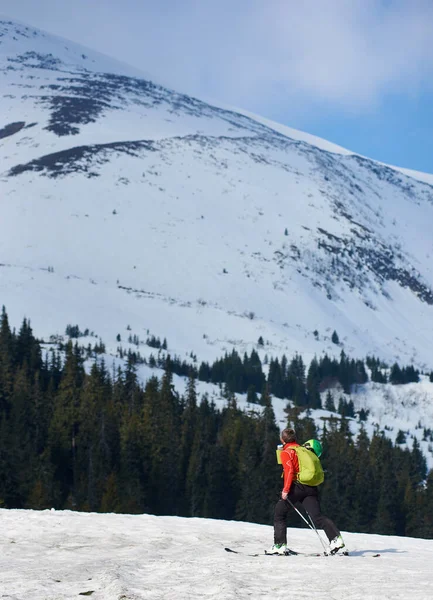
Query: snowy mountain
{"type": "Point", "coordinates": [126, 206]}
{"type": "Point", "coordinates": [137, 190]}
{"type": "Point", "coordinates": [62, 555]}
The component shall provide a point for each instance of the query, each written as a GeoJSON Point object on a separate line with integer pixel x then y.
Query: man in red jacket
{"type": "Point", "coordinates": [306, 495]}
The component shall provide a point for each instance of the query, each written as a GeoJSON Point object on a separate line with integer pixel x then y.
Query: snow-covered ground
{"type": "Point", "coordinates": [50, 555]}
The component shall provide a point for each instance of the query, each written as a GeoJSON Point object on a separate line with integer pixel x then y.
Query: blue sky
{"type": "Point", "coordinates": [356, 72]}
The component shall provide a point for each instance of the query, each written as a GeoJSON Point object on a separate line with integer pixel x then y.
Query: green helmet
{"type": "Point", "coordinates": [315, 446]}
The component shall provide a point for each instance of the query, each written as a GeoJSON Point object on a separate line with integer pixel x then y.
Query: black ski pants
{"type": "Point", "coordinates": [308, 497]}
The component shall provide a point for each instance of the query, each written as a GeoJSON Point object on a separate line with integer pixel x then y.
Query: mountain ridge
{"type": "Point", "coordinates": [298, 236]}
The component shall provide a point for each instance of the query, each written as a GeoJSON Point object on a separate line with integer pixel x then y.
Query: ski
{"type": "Point", "coordinates": [309, 554]}
{"type": "Point", "coordinates": [289, 553]}
{"type": "Point", "coordinates": [338, 554]}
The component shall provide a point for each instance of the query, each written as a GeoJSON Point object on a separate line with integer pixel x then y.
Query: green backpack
{"type": "Point", "coordinates": [310, 469]}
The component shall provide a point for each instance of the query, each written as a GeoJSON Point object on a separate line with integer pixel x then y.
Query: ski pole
{"type": "Point", "coordinates": [324, 546]}
{"type": "Point", "coordinates": [299, 513]}
{"type": "Point", "coordinates": [309, 524]}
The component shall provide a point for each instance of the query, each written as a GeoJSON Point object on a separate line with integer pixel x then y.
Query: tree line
{"type": "Point", "coordinates": [102, 441]}
{"type": "Point", "coordinates": [284, 378]}
{"type": "Point", "coordinates": [291, 379]}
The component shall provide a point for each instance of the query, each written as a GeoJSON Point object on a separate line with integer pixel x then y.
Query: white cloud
{"type": "Point", "coordinates": [345, 52]}
{"type": "Point", "coordinates": [258, 53]}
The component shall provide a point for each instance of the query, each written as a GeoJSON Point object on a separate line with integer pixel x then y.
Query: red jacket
{"type": "Point", "coordinates": [289, 460]}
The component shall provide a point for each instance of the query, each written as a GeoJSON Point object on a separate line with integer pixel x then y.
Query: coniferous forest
{"type": "Point", "coordinates": [94, 440]}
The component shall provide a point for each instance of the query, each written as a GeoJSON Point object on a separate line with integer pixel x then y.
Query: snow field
{"type": "Point", "coordinates": [48, 555]}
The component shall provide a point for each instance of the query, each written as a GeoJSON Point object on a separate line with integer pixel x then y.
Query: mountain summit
{"type": "Point", "coordinates": [126, 204]}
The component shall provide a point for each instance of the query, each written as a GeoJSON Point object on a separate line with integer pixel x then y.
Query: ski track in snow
{"type": "Point", "coordinates": [58, 555]}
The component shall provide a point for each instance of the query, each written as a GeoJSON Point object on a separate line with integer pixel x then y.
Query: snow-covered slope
{"type": "Point", "coordinates": [218, 224]}
{"type": "Point", "coordinates": [129, 208]}
{"type": "Point", "coordinates": [65, 555]}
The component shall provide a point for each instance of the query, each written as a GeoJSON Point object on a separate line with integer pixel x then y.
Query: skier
{"type": "Point", "coordinates": [306, 495]}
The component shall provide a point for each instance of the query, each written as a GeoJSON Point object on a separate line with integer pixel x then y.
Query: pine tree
{"type": "Point", "coordinates": [417, 465]}
{"type": "Point", "coordinates": [217, 494]}
{"type": "Point", "coordinates": [363, 512]}
{"type": "Point", "coordinates": [93, 454]}
{"type": "Point", "coordinates": [401, 437]}
{"type": "Point", "coordinates": [296, 381]}
{"type": "Point", "coordinates": [7, 353]}
{"type": "Point", "coordinates": [427, 508]}
{"type": "Point", "coordinates": [165, 435]}
{"type": "Point", "coordinates": [275, 380]}
{"type": "Point", "coordinates": [254, 376]}
{"type": "Point", "coordinates": [22, 436]}
{"type": "Point", "coordinates": [314, 378]}
{"type": "Point", "coordinates": [396, 375]}
{"type": "Point", "coordinates": [201, 479]}
{"type": "Point", "coordinates": [28, 350]}
{"type": "Point", "coordinates": [251, 395]}
{"type": "Point", "coordinates": [63, 428]}
{"type": "Point", "coordinates": [389, 519]}
{"type": "Point", "coordinates": [268, 470]}
{"type": "Point", "coordinates": [247, 505]}
{"type": "Point", "coordinates": [110, 501]}
{"type": "Point", "coordinates": [9, 484]}
{"type": "Point", "coordinates": [188, 427]}
{"type": "Point", "coordinates": [329, 402]}
{"type": "Point", "coordinates": [131, 388]}
{"type": "Point", "coordinates": [338, 462]}
{"type": "Point", "coordinates": [135, 493]}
